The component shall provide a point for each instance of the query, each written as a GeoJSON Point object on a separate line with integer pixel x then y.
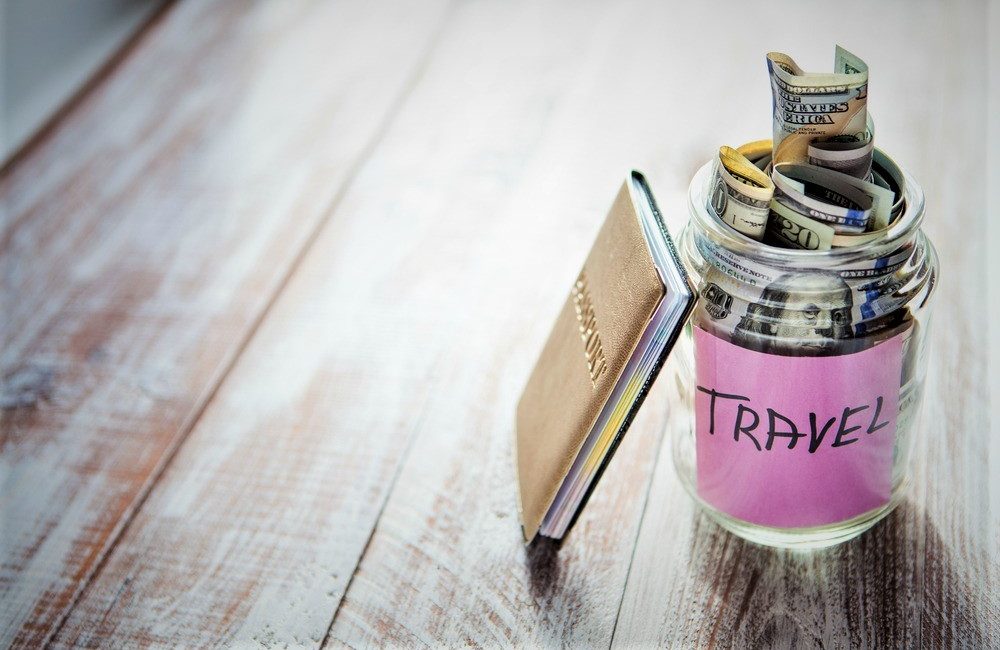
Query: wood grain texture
{"type": "Point", "coordinates": [143, 239]}
{"type": "Point", "coordinates": [382, 337]}
{"type": "Point", "coordinates": [927, 576]}
{"type": "Point", "coordinates": [349, 481]}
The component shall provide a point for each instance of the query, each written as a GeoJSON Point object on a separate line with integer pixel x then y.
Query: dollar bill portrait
{"type": "Point", "coordinates": [808, 314]}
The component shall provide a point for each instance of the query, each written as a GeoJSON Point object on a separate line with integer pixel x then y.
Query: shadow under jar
{"type": "Point", "coordinates": [801, 376]}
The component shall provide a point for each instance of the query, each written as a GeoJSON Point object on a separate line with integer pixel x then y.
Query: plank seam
{"type": "Point", "coordinates": [638, 531]}
{"type": "Point", "coordinates": [414, 433]}
{"type": "Point", "coordinates": [229, 363]}
{"type": "Point", "coordinates": [418, 75]}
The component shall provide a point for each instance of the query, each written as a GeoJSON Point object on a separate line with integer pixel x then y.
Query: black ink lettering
{"type": "Point", "coordinates": [772, 434]}
{"type": "Point", "coordinates": [842, 431]}
{"type": "Point", "coordinates": [878, 409]}
{"type": "Point", "coordinates": [740, 410]}
{"type": "Point", "coordinates": [814, 440]}
{"type": "Point", "coordinates": [711, 405]}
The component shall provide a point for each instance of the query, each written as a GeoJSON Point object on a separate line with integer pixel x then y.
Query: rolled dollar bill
{"type": "Point", "coordinates": [755, 150]}
{"type": "Point", "coordinates": [850, 154]}
{"type": "Point", "coordinates": [759, 153]}
{"type": "Point", "coordinates": [824, 195]}
{"type": "Point", "coordinates": [853, 157]}
{"type": "Point", "coordinates": [741, 193]}
{"type": "Point", "coordinates": [882, 199]}
{"type": "Point", "coordinates": [815, 106]}
{"type": "Point", "coordinates": [764, 164]}
{"type": "Point", "coordinates": [886, 173]}
{"type": "Point", "coordinates": [789, 229]}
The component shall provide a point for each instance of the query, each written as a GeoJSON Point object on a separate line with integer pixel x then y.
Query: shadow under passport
{"type": "Point", "coordinates": [543, 567]}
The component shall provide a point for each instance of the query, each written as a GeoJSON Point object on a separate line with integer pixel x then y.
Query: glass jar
{"type": "Point", "coordinates": [801, 375]}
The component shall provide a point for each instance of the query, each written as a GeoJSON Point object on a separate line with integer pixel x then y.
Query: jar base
{"type": "Point", "coordinates": [805, 538]}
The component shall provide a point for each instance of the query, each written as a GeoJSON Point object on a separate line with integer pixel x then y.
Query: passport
{"type": "Point", "coordinates": [613, 333]}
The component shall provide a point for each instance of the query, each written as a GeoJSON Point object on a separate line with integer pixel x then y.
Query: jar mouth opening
{"type": "Point", "coordinates": [900, 232]}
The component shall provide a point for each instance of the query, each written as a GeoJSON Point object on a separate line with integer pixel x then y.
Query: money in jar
{"type": "Point", "coordinates": [801, 370]}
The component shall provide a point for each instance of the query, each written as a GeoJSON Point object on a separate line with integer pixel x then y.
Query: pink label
{"type": "Point", "coordinates": [795, 441]}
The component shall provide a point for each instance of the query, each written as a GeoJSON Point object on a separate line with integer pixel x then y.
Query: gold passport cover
{"type": "Point", "coordinates": [600, 324]}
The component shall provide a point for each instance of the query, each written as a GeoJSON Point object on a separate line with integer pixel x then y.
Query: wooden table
{"type": "Point", "coordinates": [274, 284]}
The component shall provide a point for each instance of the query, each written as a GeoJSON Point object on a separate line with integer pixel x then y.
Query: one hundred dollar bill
{"type": "Point", "coordinates": [806, 313]}
{"type": "Point", "coordinates": [856, 302]}
{"type": "Point", "coordinates": [816, 106]}
{"type": "Point", "coordinates": [885, 185]}
{"type": "Point", "coordinates": [741, 193]}
{"type": "Point", "coordinates": [882, 198]}
{"type": "Point", "coordinates": [831, 187]}
{"type": "Point", "coordinates": [823, 195]}
{"type": "Point", "coordinates": [887, 174]}
{"type": "Point", "coordinates": [882, 201]}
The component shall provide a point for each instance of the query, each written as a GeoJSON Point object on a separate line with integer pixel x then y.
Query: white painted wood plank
{"type": "Point", "coordinates": [143, 238]}
{"type": "Point", "coordinates": [402, 323]}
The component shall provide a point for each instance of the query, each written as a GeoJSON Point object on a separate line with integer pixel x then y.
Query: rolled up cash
{"type": "Point", "coordinates": [755, 150]}
{"type": "Point", "coordinates": [830, 189]}
{"type": "Point", "coordinates": [741, 193]}
{"type": "Point", "coordinates": [850, 154]}
{"type": "Point", "coordinates": [853, 157]}
{"type": "Point", "coordinates": [886, 173]}
{"type": "Point", "coordinates": [882, 199]}
{"type": "Point", "coordinates": [816, 106]}
{"type": "Point", "coordinates": [823, 195]}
